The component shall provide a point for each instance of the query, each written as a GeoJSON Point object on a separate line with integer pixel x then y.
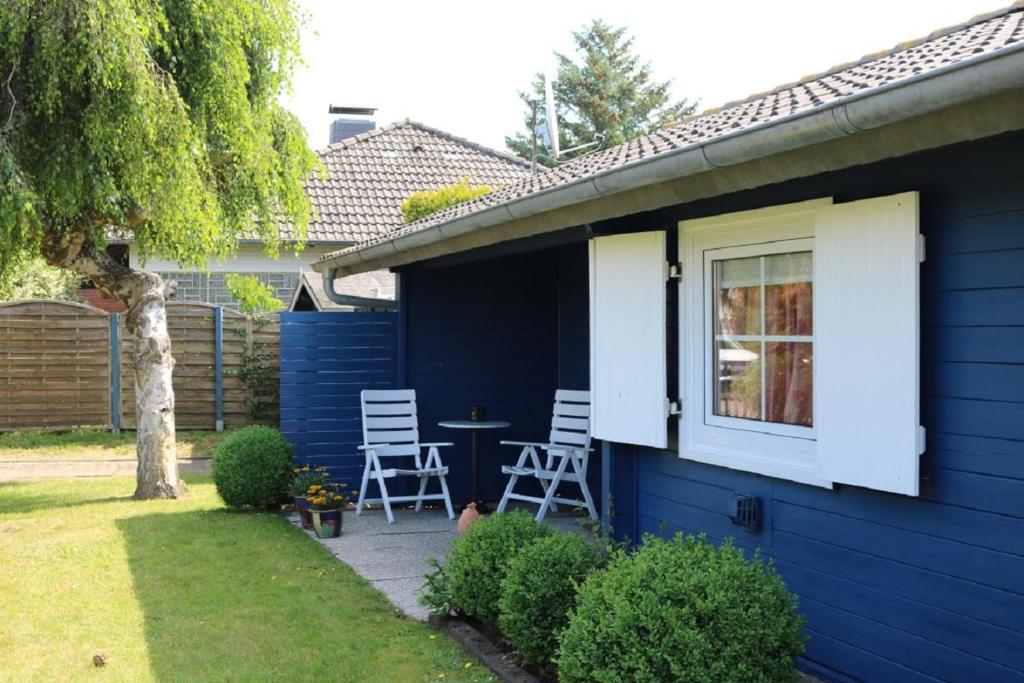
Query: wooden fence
{"type": "Point", "coordinates": [64, 364]}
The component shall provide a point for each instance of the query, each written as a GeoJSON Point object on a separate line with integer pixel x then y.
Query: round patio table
{"type": "Point", "coordinates": [473, 426]}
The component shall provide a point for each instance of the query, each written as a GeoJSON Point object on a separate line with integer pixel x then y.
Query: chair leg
{"type": "Point", "coordinates": [423, 489]}
{"type": "Point", "coordinates": [513, 478]}
{"type": "Point", "coordinates": [581, 474]}
{"type": "Point", "coordinates": [544, 482]}
{"type": "Point", "coordinates": [362, 488]}
{"type": "Point", "coordinates": [383, 491]}
{"type": "Point", "coordinates": [552, 487]}
{"type": "Point", "coordinates": [447, 498]}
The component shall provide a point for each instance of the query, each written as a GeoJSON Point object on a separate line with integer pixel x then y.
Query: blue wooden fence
{"type": "Point", "coordinates": [326, 360]}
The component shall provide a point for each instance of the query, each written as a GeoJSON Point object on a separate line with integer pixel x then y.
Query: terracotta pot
{"type": "Point", "coordinates": [468, 516]}
{"type": "Point", "coordinates": [326, 523]}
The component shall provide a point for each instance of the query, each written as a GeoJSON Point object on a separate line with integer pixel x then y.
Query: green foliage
{"type": "Point", "coordinates": [253, 296]}
{"type": "Point", "coordinates": [157, 118]}
{"type": "Point", "coordinates": [420, 204]}
{"type": "Point", "coordinates": [257, 370]}
{"type": "Point", "coordinates": [306, 477]}
{"type": "Point", "coordinates": [35, 279]}
{"type": "Point", "coordinates": [436, 594]}
{"type": "Point", "coordinates": [539, 591]}
{"type": "Point", "coordinates": [252, 467]}
{"type": "Point", "coordinates": [478, 561]}
{"type": "Point", "coordinates": [604, 90]}
{"type": "Point", "coordinates": [682, 610]}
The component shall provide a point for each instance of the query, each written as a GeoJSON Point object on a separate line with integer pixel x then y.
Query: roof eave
{"type": "Point", "coordinates": [962, 82]}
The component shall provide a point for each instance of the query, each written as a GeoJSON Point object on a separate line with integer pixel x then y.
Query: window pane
{"type": "Point", "coordinates": [738, 296]}
{"type": "Point", "coordinates": [788, 294]}
{"type": "Point", "coordinates": [788, 383]}
{"type": "Point", "coordinates": [738, 379]}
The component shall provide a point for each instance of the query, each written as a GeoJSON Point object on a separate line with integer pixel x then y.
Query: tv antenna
{"type": "Point", "coordinates": [548, 131]}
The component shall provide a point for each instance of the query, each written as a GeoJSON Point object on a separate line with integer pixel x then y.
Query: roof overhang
{"type": "Point", "coordinates": [967, 100]}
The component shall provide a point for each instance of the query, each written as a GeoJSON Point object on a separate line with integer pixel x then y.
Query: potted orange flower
{"type": "Point", "coordinates": [325, 505]}
{"type": "Point", "coordinates": [305, 477]}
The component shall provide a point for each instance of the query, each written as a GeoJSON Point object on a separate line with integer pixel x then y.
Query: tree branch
{"type": "Point", "coordinates": [10, 92]}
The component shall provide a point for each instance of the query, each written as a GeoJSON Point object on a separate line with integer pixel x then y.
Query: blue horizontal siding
{"type": "Point", "coordinates": [483, 334]}
{"type": "Point", "coordinates": [893, 587]}
{"type": "Point", "coordinates": [327, 359]}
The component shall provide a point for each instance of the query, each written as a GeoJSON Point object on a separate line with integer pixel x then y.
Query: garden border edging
{"type": "Point", "coordinates": [483, 649]}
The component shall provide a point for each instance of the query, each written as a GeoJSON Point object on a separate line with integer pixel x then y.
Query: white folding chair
{"type": "Point", "coordinates": [567, 452]}
{"type": "Point", "coordinates": [391, 430]}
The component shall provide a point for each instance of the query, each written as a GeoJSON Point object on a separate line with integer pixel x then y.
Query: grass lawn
{"type": "Point", "coordinates": [189, 591]}
{"type": "Point", "coordinates": [95, 445]}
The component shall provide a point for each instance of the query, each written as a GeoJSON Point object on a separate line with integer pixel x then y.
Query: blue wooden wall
{"type": "Point", "coordinates": [899, 588]}
{"type": "Point", "coordinates": [483, 334]}
{"type": "Point", "coordinates": [326, 360]}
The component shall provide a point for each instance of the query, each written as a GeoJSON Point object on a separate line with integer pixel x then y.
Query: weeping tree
{"type": "Point", "coordinates": [156, 121]}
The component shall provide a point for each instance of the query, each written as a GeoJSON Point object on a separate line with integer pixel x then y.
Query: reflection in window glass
{"type": "Point", "coordinates": [763, 344]}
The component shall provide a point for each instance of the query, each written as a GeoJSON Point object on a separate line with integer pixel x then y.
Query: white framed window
{"type": "Point", "coordinates": [759, 337]}
{"type": "Point", "coordinates": [799, 342]}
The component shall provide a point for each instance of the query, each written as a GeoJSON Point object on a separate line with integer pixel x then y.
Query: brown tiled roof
{"type": "Point", "coordinates": [981, 35]}
{"type": "Point", "coordinates": [369, 175]}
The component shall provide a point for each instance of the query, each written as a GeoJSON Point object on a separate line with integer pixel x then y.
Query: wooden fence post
{"type": "Point", "coordinates": [115, 373]}
{"type": "Point", "coordinates": [218, 366]}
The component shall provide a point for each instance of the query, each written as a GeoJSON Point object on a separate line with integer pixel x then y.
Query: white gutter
{"type": "Point", "coordinates": [958, 83]}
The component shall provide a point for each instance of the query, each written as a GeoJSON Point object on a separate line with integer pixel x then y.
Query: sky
{"type": "Point", "coordinates": [458, 65]}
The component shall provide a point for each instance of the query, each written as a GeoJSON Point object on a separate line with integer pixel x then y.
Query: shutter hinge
{"type": "Point", "coordinates": [920, 249]}
{"type": "Point", "coordinates": [674, 407]}
{"type": "Point", "coordinates": [921, 434]}
{"type": "Point", "coordinates": [675, 271]}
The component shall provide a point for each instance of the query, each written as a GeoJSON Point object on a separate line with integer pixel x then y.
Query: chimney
{"type": "Point", "coordinates": [354, 120]}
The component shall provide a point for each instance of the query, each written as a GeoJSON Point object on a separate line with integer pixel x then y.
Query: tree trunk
{"type": "Point", "coordinates": [157, 473]}
{"type": "Point", "coordinates": [145, 295]}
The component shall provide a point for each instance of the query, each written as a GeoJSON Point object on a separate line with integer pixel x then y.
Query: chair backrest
{"type": "Point", "coordinates": [570, 421]}
{"type": "Point", "coordinates": [389, 416]}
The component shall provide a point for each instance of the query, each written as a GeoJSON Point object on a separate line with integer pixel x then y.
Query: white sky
{"type": "Point", "coordinates": [458, 65]}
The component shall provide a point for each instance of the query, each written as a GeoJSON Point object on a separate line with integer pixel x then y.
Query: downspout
{"type": "Point", "coordinates": [348, 299]}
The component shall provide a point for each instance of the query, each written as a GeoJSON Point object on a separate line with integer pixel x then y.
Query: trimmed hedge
{"type": "Point", "coordinates": [540, 590]}
{"type": "Point", "coordinates": [478, 561]}
{"type": "Point", "coordinates": [252, 467]}
{"type": "Point", "coordinates": [682, 610]}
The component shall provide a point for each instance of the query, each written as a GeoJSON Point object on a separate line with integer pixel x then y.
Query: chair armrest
{"type": "Point", "coordinates": [523, 443]}
{"type": "Point", "coordinates": [557, 447]}
{"type": "Point", "coordinates": [439, 443]}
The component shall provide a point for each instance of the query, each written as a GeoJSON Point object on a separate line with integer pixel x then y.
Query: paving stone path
{"type": "Point", "coordinates": [14, 470]}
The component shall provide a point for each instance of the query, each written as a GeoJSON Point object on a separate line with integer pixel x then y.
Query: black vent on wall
{"type": "Point", "coordinates": [746, 512]}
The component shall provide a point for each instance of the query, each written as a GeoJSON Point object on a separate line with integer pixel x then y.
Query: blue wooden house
{"type": "Point", "coordinates": [806, 307]}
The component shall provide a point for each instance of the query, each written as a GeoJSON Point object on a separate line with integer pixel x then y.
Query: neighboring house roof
{"type": "Point", "coordinates": [941, 51]}
{"type": "Point", "coordinates": [376, 285]}
{"type": "Point", "coordinates": [368, 176]}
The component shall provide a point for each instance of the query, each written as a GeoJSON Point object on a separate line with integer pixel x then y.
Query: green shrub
{"type": "Point", "coordinates": [539, 591]}
{"type": "Point", "coordinates": [253, 467]}
{"type": "Point", "coordinates": [420, 204]}
{"type": "Point", "coordinates": [436, 594]}
{"type": "Point", "coordinates": [682, 610]}
{"type": "Point", "coordinates": [478, 561]}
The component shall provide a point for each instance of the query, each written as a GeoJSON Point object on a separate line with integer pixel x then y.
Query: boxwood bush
{"type": "Point", "coordinates": [478, 561]}
{"type": "Point", "coordinates": [539, 591]}
{"type": "Point", "coordinates": [682, 610]}
{"type": "Point", "coordinates": [252, 466]}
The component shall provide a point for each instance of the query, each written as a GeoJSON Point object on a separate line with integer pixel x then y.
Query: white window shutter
{"type": "Point", "coordinates": [628, 375]}
{"type": "Point", "coordinates": [867, 339]}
